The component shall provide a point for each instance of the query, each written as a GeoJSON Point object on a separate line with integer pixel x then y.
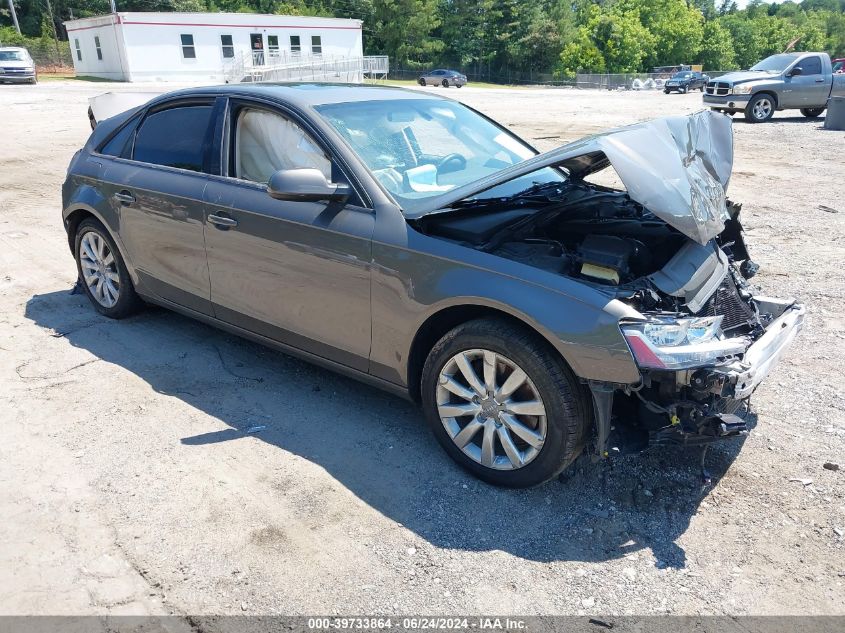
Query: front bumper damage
{"type": "Point", "coordinates": [744, 376]}
{"type": "Point", "coordinates": [694, 407]}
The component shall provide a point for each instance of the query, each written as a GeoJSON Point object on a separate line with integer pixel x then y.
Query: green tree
{"type": "Point", "coordinates": [717, 51]}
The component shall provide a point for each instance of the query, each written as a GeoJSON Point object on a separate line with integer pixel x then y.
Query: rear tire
{"type": "Point", "coordinates": [547, 380]}
{"type": "Point", "coordinates": [445, 83]}
{"type": "Point", "coordinates": [760, 109]}
{"type": "Point", "coordinates": [101, 268]}
{"type": "Point", "coordinates": [812, 113]}
{"type": "Point", "coordinates": [421, 81]}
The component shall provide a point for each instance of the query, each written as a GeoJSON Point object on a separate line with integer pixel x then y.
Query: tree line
{"type": "Point", "coordinates": [524, 39]}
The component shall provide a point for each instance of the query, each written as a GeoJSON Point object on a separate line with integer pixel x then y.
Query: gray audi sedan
{"type": "Point", "coordinates": [413, 243]}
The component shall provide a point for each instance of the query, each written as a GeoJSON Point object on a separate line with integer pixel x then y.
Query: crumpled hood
{"type": "Point", "coordinates": [743, 76]}
{"type": "Point", "coordinates": [677, 167]}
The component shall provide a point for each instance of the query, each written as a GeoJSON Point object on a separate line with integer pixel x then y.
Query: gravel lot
{"type": "Point", "coordinates": [129, 483]}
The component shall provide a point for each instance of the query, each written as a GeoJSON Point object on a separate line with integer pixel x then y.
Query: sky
{"type": "Point", "coordinates": [741, 3]}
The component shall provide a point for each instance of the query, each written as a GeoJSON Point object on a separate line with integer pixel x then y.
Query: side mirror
{"type": "Point", "coordinates": [796, 71]}
{"type": "Point", "coordinates": [305, 185]}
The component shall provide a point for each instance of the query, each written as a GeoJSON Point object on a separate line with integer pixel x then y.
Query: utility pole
{"type": "Point", "coordinates": [55, 33]}
{"type": "Point", "coordinates": [14, 16]}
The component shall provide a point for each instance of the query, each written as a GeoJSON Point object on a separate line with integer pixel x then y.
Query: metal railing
{"type": "Point", "coordinates": [283, 66]}
{"type": "Point", "coordinates": [376, 66]}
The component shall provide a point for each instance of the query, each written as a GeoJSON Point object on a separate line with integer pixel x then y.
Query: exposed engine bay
{"type": "Point", "coordinates": [602, 237]}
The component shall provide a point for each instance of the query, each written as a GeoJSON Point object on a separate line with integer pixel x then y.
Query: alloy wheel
{"type": "Point", "coordinates": [99, 269]}
{"type": "Point", "coordinates": [491, 409]}
{"type": "Point", "coordinates": [762, 109]}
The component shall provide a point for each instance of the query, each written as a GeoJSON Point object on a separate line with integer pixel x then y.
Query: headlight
{"type": "Point", "coordinates": [743, 89]}
{"type": "Point", "coordinates": [669, 343]}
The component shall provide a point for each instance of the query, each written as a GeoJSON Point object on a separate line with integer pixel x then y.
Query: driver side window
{"type": "Point", "coordinates": [266, 142]}
{"type": "Point", "coordinates": [811, 66]}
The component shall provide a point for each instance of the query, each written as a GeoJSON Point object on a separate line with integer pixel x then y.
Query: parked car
{"type": "Point", "coordinates": [685, 81]}
{"type": "Point", "coordinates": [16, 65]}
{"type": "Point", "coordinates": [410, 242]}
{"type": "Point", "coordinates": [838, 66]}
{"type": "Point", "coordinates": [800, 81]}
{"type": "Point", "coordinates": [443, 78]}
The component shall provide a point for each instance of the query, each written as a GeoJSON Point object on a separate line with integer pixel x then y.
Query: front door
{"type": "Point", "coordinates": [256, 41]}
{"type": "Point", "coordinates": [295, 272]}
{"type": "Point", "coordinates": [807, 89]}
{"type": "Point", "coordinates": [159, 192]}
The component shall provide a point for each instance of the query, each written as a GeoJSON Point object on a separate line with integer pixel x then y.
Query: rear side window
{"type": "Point", "coordinates": [811, 66]}
{"type": "Point", "coordinates": [118, 145]}
{"type": "Point", "coordinates": [174, 137]}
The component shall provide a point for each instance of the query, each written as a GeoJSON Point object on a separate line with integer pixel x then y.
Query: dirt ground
{"type": "Point", "coordinates": [129, 482]}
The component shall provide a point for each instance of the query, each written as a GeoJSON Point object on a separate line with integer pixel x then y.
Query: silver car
{"type": "Point", "coordinates": [16, 65]}
{"type": "Point", "coordinates": [443, 78]}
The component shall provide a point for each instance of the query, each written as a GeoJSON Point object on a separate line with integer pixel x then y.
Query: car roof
{"type": "Point", "coordinates": [310, 94]}
{"type": "Point", "coordinates": [12, 48]}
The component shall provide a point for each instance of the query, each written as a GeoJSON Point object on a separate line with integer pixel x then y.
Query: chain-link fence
{"type": "Point", "coordinates": [49, 56]}
{"type": "Point", "coordinates": [504, 78]}
{"type": "Point", "coordinates": [596, 81]}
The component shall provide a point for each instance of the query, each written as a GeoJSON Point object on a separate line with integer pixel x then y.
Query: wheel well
{"type": "Point", "coordinates": [73, 221]}
{"type": "Point", "coordinates": [765, 92]}
{"type": "Point", "coordinates": [436, 326]}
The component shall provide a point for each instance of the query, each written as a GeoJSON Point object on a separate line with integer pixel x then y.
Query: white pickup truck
{"type": "Point", "coordinates": [799, 81]}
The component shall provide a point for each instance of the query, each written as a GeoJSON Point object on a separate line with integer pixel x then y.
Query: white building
{"type": "Point", "coordinates": [212, 47]}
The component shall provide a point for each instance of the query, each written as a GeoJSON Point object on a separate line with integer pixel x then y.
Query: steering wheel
{"type": "Point", "coordinates": [450, 163]}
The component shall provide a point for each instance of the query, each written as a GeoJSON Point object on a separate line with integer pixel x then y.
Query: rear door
{"type": "Point", "coordinates": [157, 191]}
{"type": "Point", "coordinates": [295, 272]}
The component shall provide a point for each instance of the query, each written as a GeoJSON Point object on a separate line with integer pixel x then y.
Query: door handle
{"type": "Point", "coordinates": [820, 80]}
{"type": "Point", "coordinates": [222, 222]}
{"type": "Point", "coordinates": [124, 197]}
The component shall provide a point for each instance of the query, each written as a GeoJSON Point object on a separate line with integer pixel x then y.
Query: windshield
{"type": "Point", "coordinates": [12, 56]}
{"type": "Point", "coordinates": [421, 148]}
{"type": "Point", "coordinates": [775, 63]}
{"type": "Point", "coordinates": [681, 75]}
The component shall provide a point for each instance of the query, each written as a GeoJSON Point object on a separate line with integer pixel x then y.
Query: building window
{"type": "Point", "coordinates": [188, 50]}
{"type": "Point", "coordinates": [78, 50]}
{"type": "Point", "coordinates": [273, 45]}
{"type": "Point", "coordinates": [316, 45]}
{"type": "Point", "coordinates": [295, 46]}
{"type": "Point", "coordinates": [227, 46]}
{"type": "Point", "coordinates": [97, 46]}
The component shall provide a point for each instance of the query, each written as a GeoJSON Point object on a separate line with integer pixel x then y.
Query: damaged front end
{"type": "Point", "coordinates": [671, 247]}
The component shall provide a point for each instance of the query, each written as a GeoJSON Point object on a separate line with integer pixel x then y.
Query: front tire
{"type": "Point", "coordinates": [812, 113]}
{"type": "Point", "coordinates": [502, 404]}
{"type": "Point", "coordinates": [445, 83]}
{"type": "Point", "coordinates": [421, 81]}
{"type": "Point", "coordinates": [760, 109]}
{"type": "Point", "coordinates": [102, 271]}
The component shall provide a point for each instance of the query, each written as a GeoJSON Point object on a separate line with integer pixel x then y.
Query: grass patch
{"type": "Point", "coordinates": [69, 77]}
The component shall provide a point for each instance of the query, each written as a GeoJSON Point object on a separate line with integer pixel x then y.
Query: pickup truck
{"type": "Point", "coordinates": [800, 81]}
